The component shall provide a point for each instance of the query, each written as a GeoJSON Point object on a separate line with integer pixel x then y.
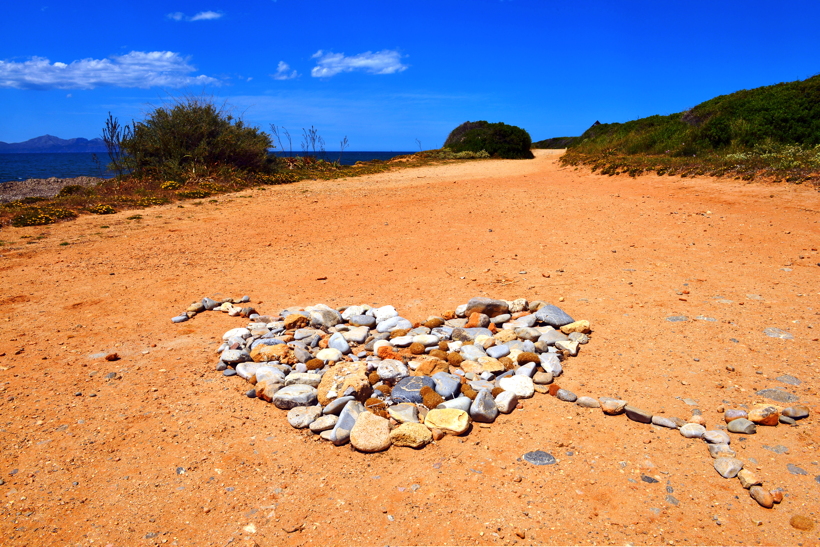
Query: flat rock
{"type": "Point", "coordinates": [692, 431]}
{"type": "Point", "coordinates": [323, 423]}
{"type": "Point", "coordinates": [305, 378]}
{"type": "Point", "coordinates": [734, 414]}
{"type": "Point", "coordinates": [539, 457]}
{"type": "Point", "coordinates": [663, 421]}
{"type": "Point", "coordinates": [407, 389]}
{"type": "Point", "coordinates": [362, 321]}
{"type": "Point", "coordinates": [447, 385]}
{"type": "Point", "coordinates": [370, 433]}
{"type": "Point", "coordinates": [796, 412]}
{"type": "Point", "coordinates": [742, 425]}
{"type": "Point", "coordinates": [716, 437]}
{"type": "Point", "coordinates": [340, 434]}
{"type": "Point", "coordinates": [721, 451]}
{"type": "Point", "coordinates": [778, 395]}
{"type": "Point", "coordinates": [392, 370]}
{"type": "Point", "coordinates": [335, 406]}
{"type": "Point", "coordinates": [588, 402]}
{"type": "Point", "coordinates": [728, 467]}
{"type": "Point", "coordinates": [296, 395]}
{"type": "Point", "coordinates": [506, 402]}
{"type": "Point", "coordinates": [460, 403]}
{"type": "Point", "coordinates": [412, 435]}
{"type": "Point", "coordinates": [301, 417]}
{"type": "Point", "coordinates": [747, 478]}
{"type": "Point", "coordinates": [788, 379]}
{"type": "Point", "coordinates": [795, 470]}
{"type": "Point", "coordinates": [553, 316]}
{"type": "Point", "coordinates": [774, 332]}
{"type": "Point", "coordinates": [542, 378]}
{"type": "Point", "coordinates": [343, 376]}
{"type": "Point", "coordinates": [449, 420]}
{"type": "Point", "coordinates": [637, 415]}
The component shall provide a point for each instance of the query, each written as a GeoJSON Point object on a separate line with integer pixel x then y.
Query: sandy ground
{"type": "Point", "coordinates": [160, 448]}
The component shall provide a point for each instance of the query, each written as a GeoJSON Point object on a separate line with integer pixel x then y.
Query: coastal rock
{"type": "Point", "coordinates": [301, 417]}
{"type": "Point", "coordinates": [305, 378]}
{"type": "Point", "coordinates": [612, 406]}
{"type": "Point", "coordinates": [716, 437]}
{"type": "Point", "coordinates": [522, 386]}
{"type": "Point", "coordinates": [404, 413]}
{"type": "Point", "coordinates": [663, 421]}
{"type": "Point", "coordinates": [728, 467]}
{"type": "Point", "coordinates": [692, 431]}
{"type": "Point", "coordinates": [506, 401]}
{"type": "Point", "coordinates": [637, 415]}
{"type": "Point", "coordinates": [553, 316]}
{"type": "Point", "coordinates": [742, 425]}
{"type": "Point", "coordinates": [484, 408]}
{"type": "Point", "coordinates": [340, 434]}
{"type": "Point", "coordinates": [566, 396]}
{"type": "Point", "coordinates": [323, 423]}
{"type": "Point", "coordinates": [408, 389]}
{"type": "Point", "coordinates": [588, 402]}
{"type": "Point", "coordinates": [734, 414]}
{"type": "Point", "coordinates": [342, 377]}
{"type": "Point", "coordinates": [296, 395]}
{"type": "Point", "coordinates": [486, 306]}
{"type": "Point", "coordinates": [796, 412]}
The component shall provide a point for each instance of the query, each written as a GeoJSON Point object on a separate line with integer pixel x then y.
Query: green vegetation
{"type": "Point", "coordinates": [771, 131]}
{"type": "Point", "coordinates": [496, 139]}
{"type": "Point", "coordinates": [555, 143]}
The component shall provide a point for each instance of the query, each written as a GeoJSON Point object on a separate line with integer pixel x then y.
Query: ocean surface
{"type": "Point", "coordinates": [43, 166]}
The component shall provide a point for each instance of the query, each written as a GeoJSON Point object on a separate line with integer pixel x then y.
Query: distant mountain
{"type": "Point", "coordinates": [51, 144]}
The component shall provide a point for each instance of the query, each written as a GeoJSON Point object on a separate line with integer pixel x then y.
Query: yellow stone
{"type": "Point", "coordinates": [578, 326]}
{"type": "Point", "coordinates": [450, 420]}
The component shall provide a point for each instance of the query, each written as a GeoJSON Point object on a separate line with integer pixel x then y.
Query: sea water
{"type": "Point", "coordinates": [45, 165]}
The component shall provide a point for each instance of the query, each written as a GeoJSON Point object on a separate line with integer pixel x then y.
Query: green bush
{"type": "Point", "coordinates": [102, 209]}
{"type": "Point", "coordinates": [496, 139]}
{"type": "Point", "coordinates": [193, 194]}
{"type": "Point", "coordinates": [190, 138]}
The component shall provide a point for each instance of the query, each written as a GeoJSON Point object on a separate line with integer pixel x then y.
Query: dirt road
{"type": "Point", "coordinates": [159, 448]}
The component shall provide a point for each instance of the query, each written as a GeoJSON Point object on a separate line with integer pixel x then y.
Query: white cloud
{"type": "Point", "coordinates": [142, 69]}
{"type": "Point", "coordinates": [284, 72]}
{"type": "Point", "coordinates": [201, 16]}
{"type": "Point", "coordinates": [382, 62]}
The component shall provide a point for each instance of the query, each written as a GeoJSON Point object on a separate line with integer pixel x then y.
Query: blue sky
{"type": "Point", "coordinates": [385, 73]}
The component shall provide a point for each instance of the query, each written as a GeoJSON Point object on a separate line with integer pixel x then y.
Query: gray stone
{"type": "Point", "coordinates": [401, 341]}
{"type": "Point", "coordinates": [579, 337]}
{"type": "Point", "coordinates": [340, 434]}
{"type": "Point", "coordinates": [181, 318]}
{"type": "Point", "coordinates": [404, 413]}
{"type": "Point", "coordinates": [721, 451]}
{"type": "Point", "coordinates": [362, 321]}
{"type": "Point", "coordinates": [588, 402]}
{"type": "Point", "coordinates": [269, 374]}
{"type": "Point", "coordinates": [296, 395]}
{"type": "Point", "coordinates": [324, 423]}
{"type": "Point", "coordinates": [796, 412]}
{"type": "Point", "coordinates": [522, 386]}
{"type": "Point", "coordinates": [483, 408]}
{"type": "Point", "coordinates": [663, 421]}
{"type": "Point", "coordinates": [677, 319]}
{"type": "Point", "coordinates": [527, 333]}
{"type": "Point", "coordinates": [553, 316]}
{"type": "Point", "coordinates": [774, 332]}
{"type": "Point", "coordinates": [337, 405]}
{"type": "Point", "coordinates": [497, 352]}
{"type": "Point", "coordinates": [356, 335]}
{"type": "Point", "coordinates": [786, 420]}
{"type": "Point", "coordinates": [478, 385]}
{"type": "Point", "coordinates": [247, 370]}
{"type": "Point", "coordinates": [717, 437]}
{"type": "Point", "coordinates": [370, 433]}
{"type": "Point", "coordinates": [426, 340]}
{"type": "Point", "coordinates": [728, 467]}
{"type": "Point", "coordinates": [487, 306]}
{"type": "Point", "coordinates": [210, 304]}
{"type": "Point", "coordinates": [552, 336]}
{"type": "Point", "coordinates": [526, 370]}
{"type": "Point", "coordinates": [394, 323]}
{"type": "Point", "coordinates": [407, 389]}
{"type": "Point", "coordinates": [472, 353]}
{"type": "Point", "coordinates": [500, 319]}
{"type": "Point", "coordinates": [304, 378]}
{"type": "Point", "coordinates": [566, 395]}
{"type": "Point", "coordinates": [301, 417]}
{"type": "Point", "coordinates": [234, 356]}
{"type": "Point", "coordinates": [302, 355]}
{"type": "Point", "coordinates": [539, 457]}
{"type": "Point", "coordinates": [777, 449]}
{"type": "Point", "coordinates": [324, 317]}
{"type": "Point", "coordinates": [542, 378]}
{"type": "Point", "coordinates": [384, 313]}
{"type": "Point", "coordinates": [391, 370]}
{"type": "Point", "coordinates": [637, 415]}
{"type": "Point", "coordinates": [460, 403]}
{"type": "Point", "coordinates": [794, 470]}
{"type": "Point", "coordinates": [788, 379]}
{"type": "Point", "coordinates": [570, 346]}
{"type": "Point", "coordinates": [526, 321]}
{"type": "Point", "coordinates": [742, 425]}
{"type": "Point", "coordinates": [506, 402]}
{"type": "Point", "coordinates": [447, 385]}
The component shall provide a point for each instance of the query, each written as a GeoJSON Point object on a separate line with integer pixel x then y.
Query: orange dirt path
{"type": "Point", "coordinates": [623, 253]}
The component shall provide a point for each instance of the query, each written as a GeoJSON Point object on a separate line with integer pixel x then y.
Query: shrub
{"type": "Point", "coordinates": [72, 190]}
{"type": "Point", "coordinates": [40, 216]}
{"type": "Point", "coordinates": [193, 194]}
{"type": "Point", "coordinates": [171, 185]}
{"type": "Point", "coordinates": [153, 200]}
{"type": "Point", "coordinates": [496, 139]}
{"type": "Point", "coordinates": [102, 209]}
{"type": "Point", "coordinates": [191, 137]}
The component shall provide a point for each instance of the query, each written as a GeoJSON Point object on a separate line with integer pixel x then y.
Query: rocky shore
{"type": "Point", "coordinates": [40, 188]}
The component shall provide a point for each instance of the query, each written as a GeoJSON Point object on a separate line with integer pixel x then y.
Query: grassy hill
{"type": "Point", "coordinates": [772, 130]}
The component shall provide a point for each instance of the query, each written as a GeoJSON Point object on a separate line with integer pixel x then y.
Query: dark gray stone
{"type": "Point", "coordinates": [553, 316]}
{"type": "Point", "coordinates": [483, 408]}
{"type": "Point", "coordinates": [648, 479]}
{"type": "Point", "coordinates": [210, 303]}
{"type": "Point", "coordinates": [179, 318]}
{"type": "Point", "coordinates": [777, 449]}
{"type": "Point", "coordinates": [539, 457]}
{"type": "Point", "coordinates": [796, 412]}
{"type": "Point", "coordinates": [778, 395]}
{"type": "Point", "coordinates": [566, 395]}
{"type": "Point", "coordinates": [788, 379]}
{"type": "Point", "coordinates": [794, 470]}
{"type": "Point", "coordinates": [407, 389]}
{"type": "Point", "coordinates": [362, 321]}
{"type": "Point", "coordinates": [742, 425]}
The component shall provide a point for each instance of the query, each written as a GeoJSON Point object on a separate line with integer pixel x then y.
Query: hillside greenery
{"type": "Point", "coordinates": [496, 139]}
{"type": "Point", "coordinates": [771, 131]}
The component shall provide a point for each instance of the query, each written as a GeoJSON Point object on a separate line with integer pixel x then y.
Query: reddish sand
{"type": "Point", "coordinates": [623, 253]}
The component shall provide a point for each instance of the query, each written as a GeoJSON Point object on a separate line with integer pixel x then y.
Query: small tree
{"type": "Point", "coordinates": [190, 138]}
{"type": "Point", "coordinates": [497, 139]}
